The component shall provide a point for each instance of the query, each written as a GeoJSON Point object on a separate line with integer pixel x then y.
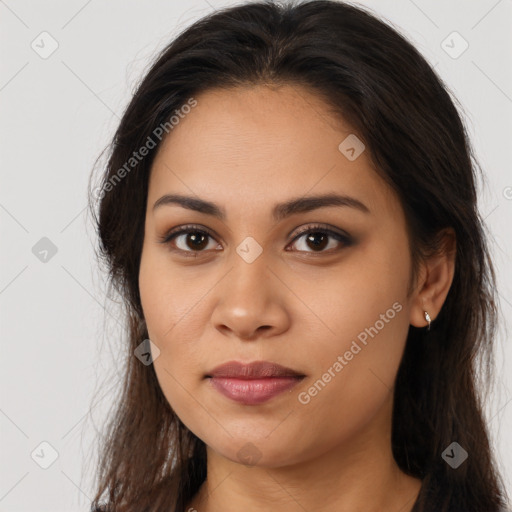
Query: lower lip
{"type": "Point", "coordinates": [253, 391]}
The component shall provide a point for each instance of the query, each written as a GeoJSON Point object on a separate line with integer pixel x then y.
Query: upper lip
{"type": "Point", "coordinates": [253, 370]}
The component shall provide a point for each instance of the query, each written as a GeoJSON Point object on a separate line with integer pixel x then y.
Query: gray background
{"type": "Point", "coordinates": [60, 337]}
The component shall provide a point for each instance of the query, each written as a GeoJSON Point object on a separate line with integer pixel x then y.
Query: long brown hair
{"type": "Point", "coordinates": [392, 98]}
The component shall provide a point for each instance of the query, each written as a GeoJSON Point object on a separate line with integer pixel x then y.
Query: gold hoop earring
{"type": "Point", "coordinates": [428, 319]}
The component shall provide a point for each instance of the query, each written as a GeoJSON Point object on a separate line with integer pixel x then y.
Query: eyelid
{"type": "Point", "coordinates": [324, 228]}
{"type": "Point", "coordinates": [187, 228]}
{"type": "Point", "coordinates": [337, 233]}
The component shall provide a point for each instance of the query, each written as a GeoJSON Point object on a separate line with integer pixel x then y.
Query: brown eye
{"type": "Point", "coordinates": [188, 240]}
{"type": "Point", "coordinates": [196, 240]}
{"type": "Point", "coordinates": [318, 238]}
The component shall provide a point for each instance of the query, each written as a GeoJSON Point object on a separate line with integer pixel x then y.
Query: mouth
{"type": "Point", "coordinates": [253, 383]}
{"type": "Point", "coordinates": [254, 370]}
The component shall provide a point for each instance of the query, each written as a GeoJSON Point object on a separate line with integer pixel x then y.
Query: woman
{"type": "Point", "coordinates": [289, 213]}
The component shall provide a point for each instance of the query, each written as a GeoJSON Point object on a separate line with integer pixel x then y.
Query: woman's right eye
{"type": "Point", "coordinates": [188, 239]}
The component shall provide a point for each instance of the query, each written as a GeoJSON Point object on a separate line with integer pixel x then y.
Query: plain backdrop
{"type": "Point", "coordinates": [67, 71]}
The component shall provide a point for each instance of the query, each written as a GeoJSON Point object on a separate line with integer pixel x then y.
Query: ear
{"type": "Point", "coordinates": [434, 281]}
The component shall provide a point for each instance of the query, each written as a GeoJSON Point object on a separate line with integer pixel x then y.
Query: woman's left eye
{"type": "Point", "coordinates": [194, 240]}
{"type": "Point", "coordinates": [318, 238]}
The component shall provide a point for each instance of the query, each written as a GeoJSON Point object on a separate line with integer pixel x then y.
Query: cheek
{"type": "Point", "coordinates": [167, 298]}
{"type": "Point", "coordinates": [367, 290]}
{"type": "Point", "coordinates": [363, 357]}
{"type": "Point", "coordinates": [174, 311]}
{"type": "Point", "coordinates": [355, 376]}
{"type": "Point", "coordinates": [366, 309]}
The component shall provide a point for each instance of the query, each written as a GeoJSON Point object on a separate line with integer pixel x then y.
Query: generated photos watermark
{"type": "Point", "coordinates": [137, 156]}
{"type": "Point", "coordinates": [304, 397]}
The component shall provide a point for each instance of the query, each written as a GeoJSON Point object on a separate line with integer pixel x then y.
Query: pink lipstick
{"type": "Point", "coordinates": [253, 383]}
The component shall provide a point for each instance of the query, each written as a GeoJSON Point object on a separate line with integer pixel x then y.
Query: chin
{"type": "Point", "coordinates": [257, 452]}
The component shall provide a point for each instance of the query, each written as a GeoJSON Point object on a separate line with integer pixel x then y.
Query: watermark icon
{"type": "Point", "coordinates": [249, 249]}
{"type": "Point", "coordinates": [454, 45]}
{"type": "Point", "coordinates": [44, 455]}
{"type": "Point", "coordinates": [137, 156]}
{"type": "Point", "coordinates": [304, 397]}
{"type": "Point", "coordinates": [454, 455]}
{"type": "Point", "coordinates": [249, 454]}
{"type": "Point", "coordinates": [147, 352]}
{"type": "Point", "coordinates": [44, 45]}
{"type": "Point", "coordinates": [507, 193]}
{"type": "Point", "coordinates": [44, 250]}
{"type": "Point", "coordinates": [351, 147]}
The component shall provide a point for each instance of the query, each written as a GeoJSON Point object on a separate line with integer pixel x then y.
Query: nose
{"type": "Point", "coordinates": [250, 302]}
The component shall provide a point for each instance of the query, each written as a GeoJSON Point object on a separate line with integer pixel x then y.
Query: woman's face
{"type": "Point", "coordinates": [252, 288]}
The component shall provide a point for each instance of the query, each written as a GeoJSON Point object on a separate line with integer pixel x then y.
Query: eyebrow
{"type": "Point", "coordinates": [279, 211]}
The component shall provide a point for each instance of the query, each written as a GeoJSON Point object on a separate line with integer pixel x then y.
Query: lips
{"type": "Point", "coordinates": [254, 370]}
{"type": "Point", "coordinates": [253, 383]}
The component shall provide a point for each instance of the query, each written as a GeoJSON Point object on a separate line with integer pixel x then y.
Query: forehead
{"type": "Point", "coordinates": [263, 144]}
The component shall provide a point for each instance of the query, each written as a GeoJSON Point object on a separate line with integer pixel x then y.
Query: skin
{"type": "Point", "coordinates": [247, 149]}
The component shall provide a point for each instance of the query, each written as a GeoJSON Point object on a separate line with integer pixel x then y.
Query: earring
{"type": "Point", "coordinates": [428, 319]}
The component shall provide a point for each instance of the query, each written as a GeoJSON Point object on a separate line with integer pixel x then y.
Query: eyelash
{"type": "Point", "coordinates": [311, 228]}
